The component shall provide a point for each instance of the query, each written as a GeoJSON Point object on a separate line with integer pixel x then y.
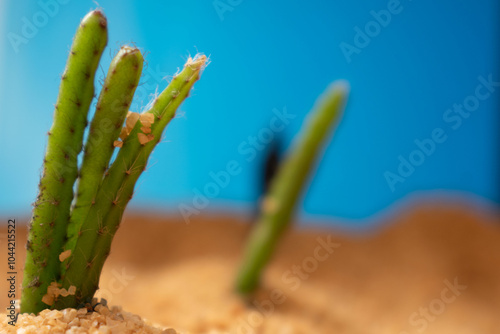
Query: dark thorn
{"type": "Point", "coordinates": [103, 23]}
{"type": "Point", "coordinates": [34, 283]}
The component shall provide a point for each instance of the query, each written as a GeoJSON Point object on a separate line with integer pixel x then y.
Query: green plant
{"type": "Point", "coordinates": [279, 202]}
{"type": "Point", "coordinates": [67, 246]}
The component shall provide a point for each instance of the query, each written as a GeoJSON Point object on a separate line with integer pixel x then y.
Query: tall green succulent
{"type": "Point", "coordinates": [287, 184]}
{"type": "Point", "coordinates": [111, 109]}
{"type": "Point", "coordinates": [67, 246]}
{"type": "Point", "coordinates": [103, 218]}
{"type": "Point", "coordinates": [52, 207]}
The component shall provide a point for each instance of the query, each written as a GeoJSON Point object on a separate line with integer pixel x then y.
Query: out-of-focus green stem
{"type": "Point", "coordinates": [278, 205]}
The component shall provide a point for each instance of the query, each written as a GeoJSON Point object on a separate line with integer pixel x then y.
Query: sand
{"type": "Point", "coordinates": [97, 318]}
{"type": "Point", "coordinates": [432, 269]}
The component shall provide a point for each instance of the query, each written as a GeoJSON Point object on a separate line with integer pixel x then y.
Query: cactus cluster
{"type": "Point", "coordinates": [287, 184]}
{"type": "Point", "coordinates": [70, 233]}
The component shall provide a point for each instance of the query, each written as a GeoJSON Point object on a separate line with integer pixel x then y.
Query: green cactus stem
{"type": "Point", "coordinates": [103, 219]}
{"type": "Point", "coordinates": [286, 186]}
{"type": "Point", "coordinates": [52, 207]}
{"type": "Point", "coordinates": [112, 107]}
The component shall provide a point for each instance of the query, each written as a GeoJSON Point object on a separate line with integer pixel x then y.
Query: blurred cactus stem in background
{"type": "Point", "coordinates": [60, 169]}
{"type": "Point", "coordinates": [279, 203]}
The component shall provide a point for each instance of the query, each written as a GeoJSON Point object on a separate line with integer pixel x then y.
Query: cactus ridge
{"type": "Point", "coordinates": [52, 206]}
{"type": "Point", "coordinates": [103, 219]}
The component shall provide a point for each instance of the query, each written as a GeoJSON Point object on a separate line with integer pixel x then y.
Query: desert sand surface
{"type": "Point", "coordinates": [430, 269]}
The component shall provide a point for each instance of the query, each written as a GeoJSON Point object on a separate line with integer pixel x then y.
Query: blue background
{"type": "Point", "coordinates": [264, 56]}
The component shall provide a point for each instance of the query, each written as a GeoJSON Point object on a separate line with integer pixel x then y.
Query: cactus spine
{"type": "Point", "coordinates": [112, 107]}
{"type": "Point", "coordinates": [52, 207]}
{"type": "Point", "coordinates": [287, 184]}
{"type": "Point", "coordinates": [97, 232]}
